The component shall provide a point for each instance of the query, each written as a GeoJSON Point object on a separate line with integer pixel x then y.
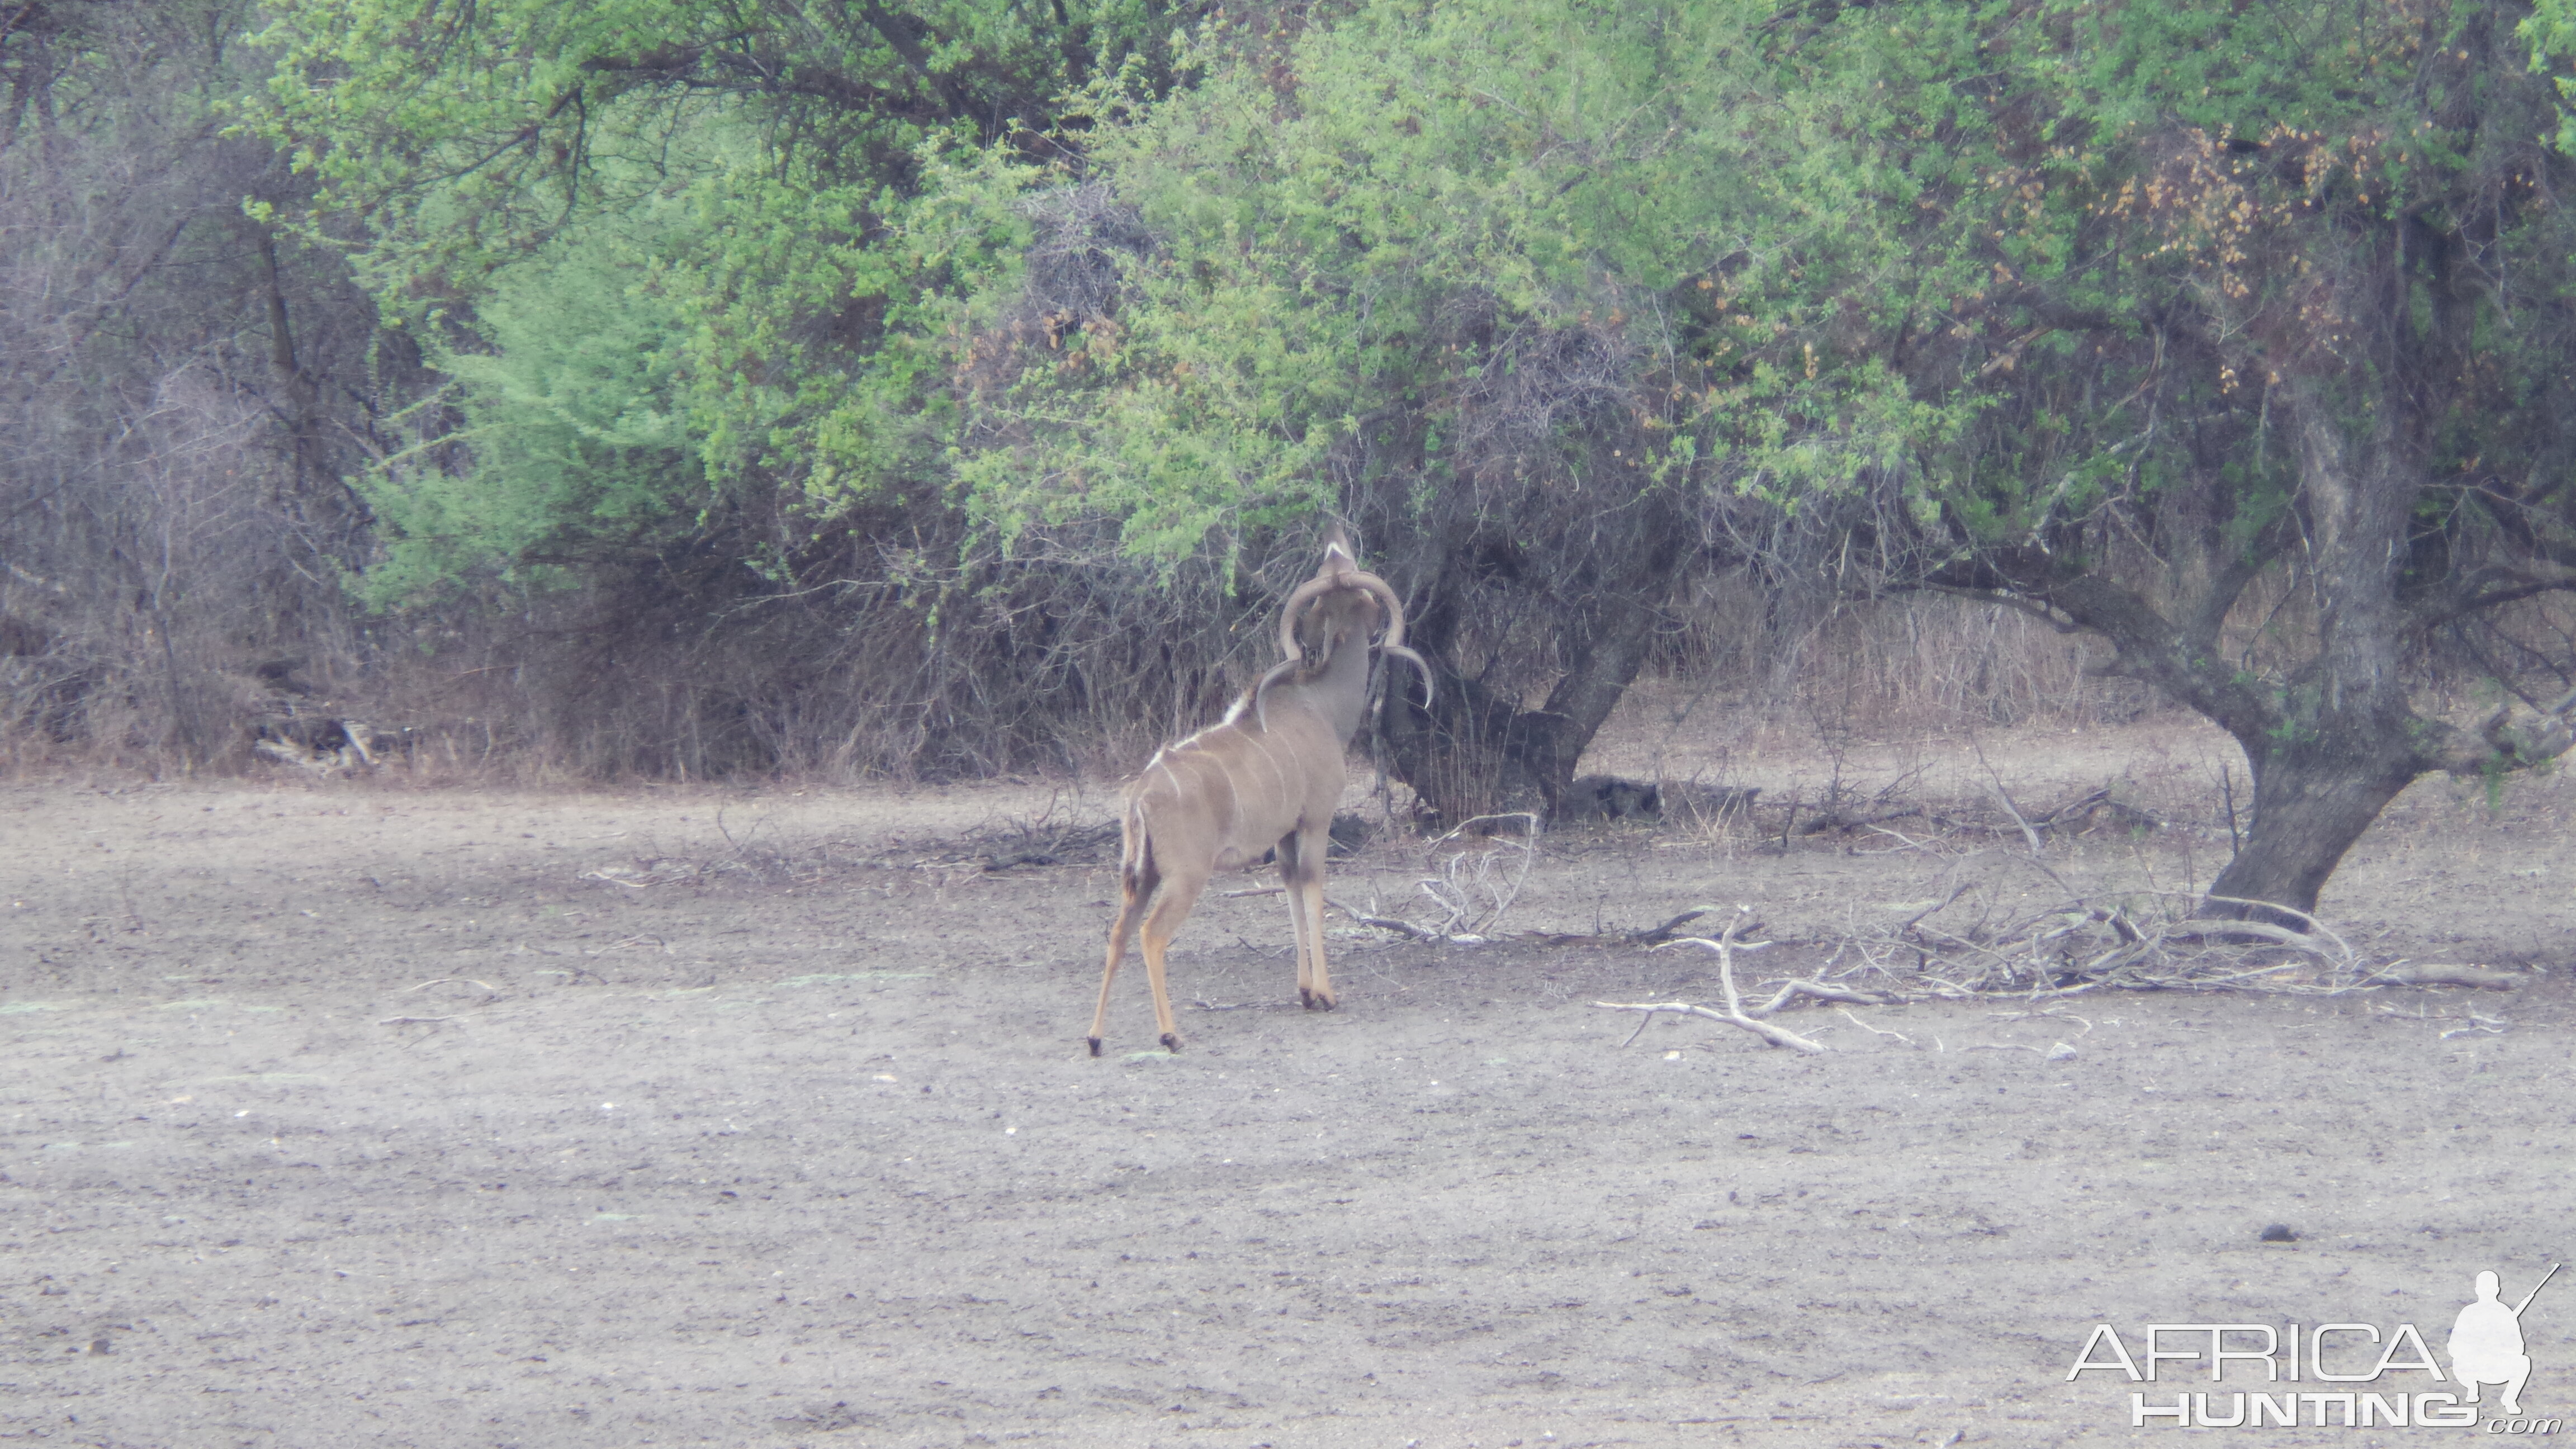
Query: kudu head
{"type": "Point", "coordinates": [1336, 609]}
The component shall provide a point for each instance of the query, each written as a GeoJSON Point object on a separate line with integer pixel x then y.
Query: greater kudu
{"type": "Point", "coordinates": [1264, 778]}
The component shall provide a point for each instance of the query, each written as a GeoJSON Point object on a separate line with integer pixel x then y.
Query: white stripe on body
{"type": "Point", "coordinates": [1267, 758]}
{"type": "Point", "coordinates": [1181, 788]}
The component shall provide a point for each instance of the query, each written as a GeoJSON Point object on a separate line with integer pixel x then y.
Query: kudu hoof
{"type": "Point", "coordinates": [1095, 1045]}
{"type": "Point", "coordinates": [1171, 1042]}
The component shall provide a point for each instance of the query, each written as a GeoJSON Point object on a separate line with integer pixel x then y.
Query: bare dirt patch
{"type": "Point", "coordinates": [341, 1113]}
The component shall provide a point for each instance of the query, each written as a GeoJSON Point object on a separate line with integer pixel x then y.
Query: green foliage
{"type": "Point", "coordinates": [2550, 30]}
{"type": "Point", "coordinates": [641, 370]}
{"type": "Point", "coordinates": [1356, 263]}
{"type": "Point", "coordinates": [1802, 256]}
{"type": "Point", "coordinates": [574, 422]}
{"type": "Point", "coordinates": [674, 257]}
{"type": "Point", "coordinates": [464, 133]}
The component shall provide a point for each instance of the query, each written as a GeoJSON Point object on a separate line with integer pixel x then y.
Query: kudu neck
{"type": "Point", "coordinates": [1339, 691]}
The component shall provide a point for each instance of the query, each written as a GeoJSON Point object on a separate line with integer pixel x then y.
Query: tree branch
{"type": "Point", "coordinates": [960, 106]}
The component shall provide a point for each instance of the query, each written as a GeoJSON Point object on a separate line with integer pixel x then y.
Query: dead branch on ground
{"type": "Point", "coordinates": [1725, 945]}
{"type": "Point", "coordinates": [2401, 974]}
{"type": "Point", "coordinates": [1050, 841]}
{"type": "Point", "coordinates": [1967, 944]}
{"type": "Point", "coordinates": [1472, 889]}
{"type": "Point", "coordinates": [1402, 928]}
{"type": "Point", "coordinates": [2076, 816]}
{"type": "Point", "coordinates": [2004, 798]}
{"type": "Point", "coordinates": [1872, 1030]}
{"type": "Point", "coordinates": [1655, 935]}
{"type": "Point", "coordinates": [1821, 991]}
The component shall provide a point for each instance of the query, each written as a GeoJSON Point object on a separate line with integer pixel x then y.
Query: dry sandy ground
{"type": "Point", "coordinates": [350, 1113]}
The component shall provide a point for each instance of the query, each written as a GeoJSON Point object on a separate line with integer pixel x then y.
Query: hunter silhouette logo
{"type": "Point", "coordinates": [2486, 1341]}
{"type": "Point", "coordinates": [2365, 1375]}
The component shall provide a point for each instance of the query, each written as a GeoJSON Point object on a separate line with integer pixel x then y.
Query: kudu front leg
{"type": "Point", "coordinates": [1301, 870]}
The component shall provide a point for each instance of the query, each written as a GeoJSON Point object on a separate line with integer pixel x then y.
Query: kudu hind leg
{"type": "Point", "coordinates": [1180, 894]}
{"type": "Point", "coordinates": [1136, 892]}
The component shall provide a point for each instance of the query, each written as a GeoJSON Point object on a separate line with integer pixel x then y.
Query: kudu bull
{"type": "Point", "coordinates": [1264, 778]}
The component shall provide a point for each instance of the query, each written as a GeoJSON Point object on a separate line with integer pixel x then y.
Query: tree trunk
{"type": "Point", "coordinates": [2343, 741]}
{"type": "Point", "coordinates": [1471, 754]}
{"type": "Point", "coordinates": [2311, 802]}
{"type": "Point", "coordinates": [297, 400]}
{"type": "Point", "coordinates": [1476, 751]}
{"type": "Point", "coordinates": [2334, 740]}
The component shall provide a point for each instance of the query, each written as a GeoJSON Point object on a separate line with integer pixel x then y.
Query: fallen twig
{"type": "Point", "coordinates": [1657, 935]}
{"type": "Point", "coordinates": [1791, 991]}
{"type": "Point", "coordinates": [2056, 1052]}
{"type": "Point", "coordinates": [1528, 819]}
{"type": "Point", "coordinates": [1725, 945]}
{"type": "Point", "coordinates": [1935, 908]}
{"type": "Point", "coordinates": [2478, 976]}
{"type": "Point", "coordinates": [2004, 798]}
{"type": "Point", "coordinates": [1390, 923]}
{"type": "Point", "coordinates": [1875, 1031]}
{"type": "Point", "coordinates": [1904, 842]}
{"type": "Point", "coordinates": [1776, 1036]}
{"type": "Point", "coordinates": [2304, 943]}
{"type": "Point", "coordinates": [1652, 936]}
{"type": "Point", "coordinates": [634, 941]}
{"type": "Point", "coordinates": [1847, 821]}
